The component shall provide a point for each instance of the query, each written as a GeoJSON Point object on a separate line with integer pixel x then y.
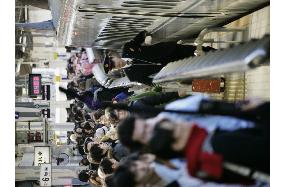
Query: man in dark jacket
{"type": "Point", "coordinates": [94, 100]}
{"type": "Point", "coordinates": [150, 59]}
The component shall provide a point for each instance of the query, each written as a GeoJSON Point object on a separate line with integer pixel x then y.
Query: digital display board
{"type": "Point", "coordinates": [34, 84]}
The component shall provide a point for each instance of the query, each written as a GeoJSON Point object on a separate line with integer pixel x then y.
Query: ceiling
{"type": "Point", "coordinates": [110, 23]}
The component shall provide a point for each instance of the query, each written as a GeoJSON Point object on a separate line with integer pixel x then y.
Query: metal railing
{"type": "Point", "coordinates": [237, 59]}
{"type": "Point", "coordinates": [199, 41]}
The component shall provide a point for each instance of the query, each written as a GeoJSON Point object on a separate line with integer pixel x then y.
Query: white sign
{"type": "Point", "coordinates": [45, 175]}
{"type": "Point", "coordinates": [42, 155]}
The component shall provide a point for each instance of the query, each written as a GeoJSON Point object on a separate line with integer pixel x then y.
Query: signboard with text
{"type": "Point", "coordinates": [207, 85]}
{"type": "Point", "coordinates": [46, 92]}
{"type": "Point", "coordinates": [45, 175]}
{"type": "Point", "coordinates": [42, 155]}
{"type": "Point", "coordinates": [57, 78]}
{"type": "Point", "coordinates": [34, 84]}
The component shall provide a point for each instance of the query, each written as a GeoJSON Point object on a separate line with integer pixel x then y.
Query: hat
{"type": "Point", "coordinates": [73, 138]}
{"type": "Point", "coordinates": [108, 64]}
{"type": "Point", "coordinates": [70, 66]}
{"type": "Point", "coordinates": [100, 132]}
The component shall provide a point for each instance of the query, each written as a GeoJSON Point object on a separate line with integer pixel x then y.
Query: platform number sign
{"type": "Point", "coordinates": [42, 155]}
{"type": "Point", "coordinates": [40, 158]}
{"type": "Point", "coordinates": [45, 175]}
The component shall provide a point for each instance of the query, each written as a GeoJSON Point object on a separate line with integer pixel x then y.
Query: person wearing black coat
{"type": "Point", "coordinates": [87, 97]}
{"type": "Point", "coordinates": [150, 59]}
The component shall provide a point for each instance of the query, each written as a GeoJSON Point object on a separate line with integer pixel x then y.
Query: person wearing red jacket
{"type": "Point", "coordinates": [206, 152]}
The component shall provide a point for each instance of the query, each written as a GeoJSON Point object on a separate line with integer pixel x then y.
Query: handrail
{"type": "Point", "coordinates": [199, 41]}
{"type": "Point", "coordinates": [239, 58]}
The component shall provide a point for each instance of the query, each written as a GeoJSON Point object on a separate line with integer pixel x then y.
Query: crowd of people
{"type": "Point", "coordinates": [158, 138]}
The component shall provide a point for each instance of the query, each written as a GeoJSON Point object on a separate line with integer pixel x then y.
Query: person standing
{"type": "Point", "coordinates": [150, 59]}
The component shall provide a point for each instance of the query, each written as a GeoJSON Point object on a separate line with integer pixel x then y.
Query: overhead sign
{"type": "Point", "coordinates": [42, 155]}
{"type": "Point", "coordinates": [41, 104]}
{"type": "Point", "coordinates": [45, 175]}
{"type": "Point", "coordinates": [55, 56]}
{"type": "Point", "coordinates": [206, 85]}
{"type": "Point", "coordinates": [57, 78]}
{"type": "Point", "coordinates": [46, 92]}
{"type": "Point", "coordinates": [34, 84]}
